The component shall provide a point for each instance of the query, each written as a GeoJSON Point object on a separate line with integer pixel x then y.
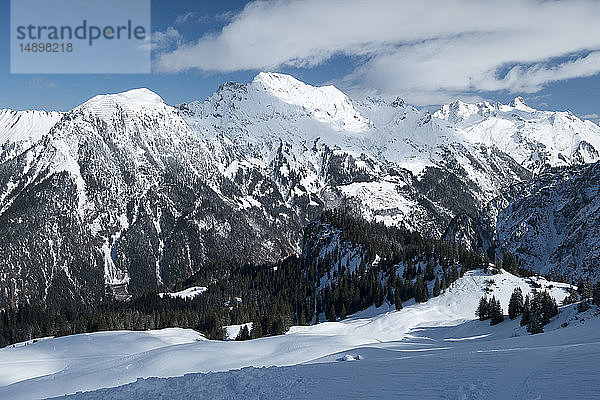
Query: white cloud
{"type": "Point", "coordinates": [190, 17]}
{"type": "Point", "coordinates": [183, 18]}
{"type": "Point", "coordinates": [590, 116]}
{"type": "Point", "coordinates": [162, 41]}
{"type": "Point", "coordinates": [425, 50]}
{"type": "Point", "coordinates": [594, 117]}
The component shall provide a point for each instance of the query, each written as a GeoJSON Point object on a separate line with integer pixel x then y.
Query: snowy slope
{"type": "Point", "coordinates": [22, 362]}
{"type": "Point", "coordinates": [322, 147]}
{"type": "Point", "coordinates": [533, 138]}
{"type": "Point", "coordinates": [25, 126]}
{"type": "Point", "coordinates": [70, 363]}
{"type": "Point", "coordinates": [561, 364]}
{"type": "Point", "coordinates": [188, 293]}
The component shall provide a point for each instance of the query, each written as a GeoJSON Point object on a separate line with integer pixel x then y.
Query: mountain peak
{"type": "Point", "coordinates": [141, 97]}
{"type": "Point", "coordinates": [294, 91]}
{"type": "Point", "coordinates": [519, 104]}
{"type": "Point", "coordinates": [324, 103]}
{"type": "Point", "coordinates": [277, 80]}
{"type": "Point", "coordinates": [457, 111]}
{"type": "Point", "coordinates": [132, 101]}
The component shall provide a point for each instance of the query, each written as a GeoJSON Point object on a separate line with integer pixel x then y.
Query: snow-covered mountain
{"type": "Point", "coordinates": [389, 161]}
{"type": "Point", "coordinates": [129, 192]}
{"type": "Point", "coordinates": [533, 138]}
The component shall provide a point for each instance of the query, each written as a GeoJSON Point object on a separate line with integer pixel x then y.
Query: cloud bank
{"type": "Point", "coordinates": [426, 51]}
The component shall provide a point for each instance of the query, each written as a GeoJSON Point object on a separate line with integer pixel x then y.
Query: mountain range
{"type": "Point", "coordinates": [125, 193]}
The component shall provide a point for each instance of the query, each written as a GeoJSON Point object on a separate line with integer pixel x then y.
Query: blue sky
{"type": "Point", "coordinates": [360, 50]}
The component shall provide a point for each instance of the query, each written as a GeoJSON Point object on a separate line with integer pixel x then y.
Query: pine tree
{"type": "Point", "coordinates": [419, 291]}
{"type": "Point", "coordinates": [596, 294]}
{"type": "Point", "coordinates": [429, 274]}
{"type": "Point", "coordinates": [585, 289]}
{"type": "Point", "coordinates": [572, 297]}
{"type": "Point", "coordinates": [496, 314]}
{"type": "Point", "coordinates": [257, 330]}
{"type": "Point", "coordinates": [378, 295]}
{"type": "Point", "coordinates": [526, 314]}
{"type": "Point", "coordinates": [332, 313]}
{"type": "Point", "coordinates": [549, 307]}
{"type": "Point", "coordinates": [343, 312]}
{"type": "Point", "coordinates": [536, 321]}
{"type": "Point", "coordinates": [482, 309]}
{"type": "Point", "coordinates": [243, 334]}
{"type": "Point", "coordinates": [425, 295]}
{"type": "Point", "coordinates": [398, 300]}
{"type": "Point", "coordinates": [436, 287]}
{"type": "Point", "coordinates": [515, 305]}
{"type": "Point", "coordinates": [215, 329]}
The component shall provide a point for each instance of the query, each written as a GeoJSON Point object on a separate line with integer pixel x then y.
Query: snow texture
{"type": "Point", "coordinates": [391, 353]}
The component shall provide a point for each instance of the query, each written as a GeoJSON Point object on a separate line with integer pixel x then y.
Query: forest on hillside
{"type": "Point", "coordinates": [347, 265]}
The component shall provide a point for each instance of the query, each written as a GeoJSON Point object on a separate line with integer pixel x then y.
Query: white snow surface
{"type": "Point", "coordinates": [188, 293]}
{"type": "Point", "coordinates": [276, 119]}
{"type": "Point", "coordinates": [529, 136]}
{"type": "Point", "coordinates": [233, 330]}
{"type": "Point", "coordinates": [25, 126]}
{"type": "Point", "coordinates": [436, 346]}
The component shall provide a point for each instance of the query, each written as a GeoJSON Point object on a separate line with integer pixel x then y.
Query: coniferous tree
{"type": "Point", "coordinates": [343, 312]}
{"type": "Point", "coordinates": [257, 330]}
{"type": "Point", "coordinates": [549, 306]}
{"type": "Point", "coordinates": [536, 320]}
{"type": "Point", "coordinates": [215, 330]}
{"type": "Point", "coordinates": [378, 295]}
{"type": "Point", "coordinates": [398, 300]}
{"type": "Point", "coordinates": [419, 290]}
{"type": "Point", "coordinates": [332, 314]}
{"type": "Point", "coordinates": [436, 287]}
{"type": "Point", "coordinates": [585, 289]}
{"type": "Point", "coordinates": [596, 294]}
{"type": "Point", "coordinates": [243, 334]}
{"type": "Point", "coordinates": [526, 313]}
{"type": "Point", "coordinates": [496, 314]}
{"type": "Point", "coordinates": [425, 295]}
{"type": "Point", "coordinates": [429, 274]}
{"type": "Point", "coordinates": [572, 297]}
{"type": "Point", "coordinates": [515, 305]}
{"type": "Point", "coordinates": [482, 309]}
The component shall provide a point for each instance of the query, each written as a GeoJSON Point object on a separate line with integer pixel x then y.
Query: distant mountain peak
{"type": "Point", "coordinates": [519, 104]}
{"type": "Point", "coordinates": [141, 97]}
{"type": "Point", "coordinates": [293, 91]}
{"type": "Point", "coordinates": [275, 80]}
{"type": "Point", "coordinates": [279, 96]}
